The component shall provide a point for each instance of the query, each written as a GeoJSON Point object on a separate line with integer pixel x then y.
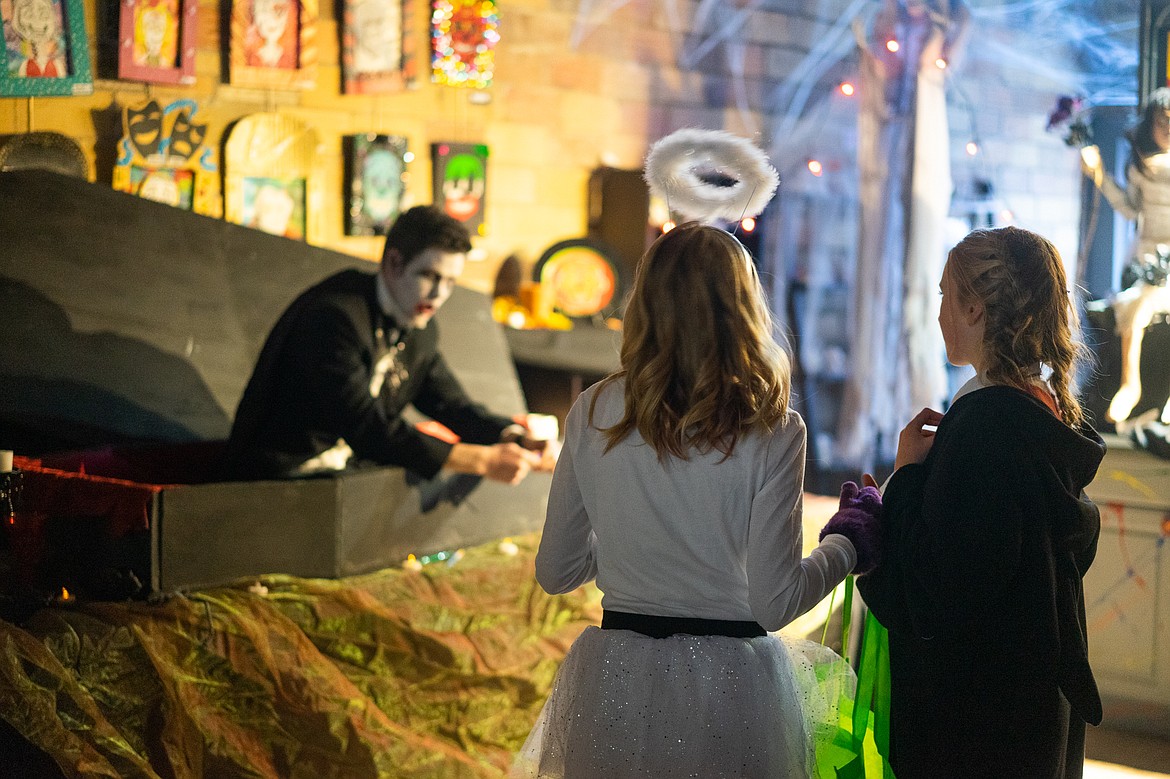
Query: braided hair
{"type": "Point", "coordinates": [1019, 278]}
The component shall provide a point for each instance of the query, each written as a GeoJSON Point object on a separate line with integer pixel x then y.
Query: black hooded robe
{"type": "Point", "coordinates": [985, 545]}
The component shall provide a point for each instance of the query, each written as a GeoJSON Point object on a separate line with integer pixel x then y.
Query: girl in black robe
{"type": "Point", "coordinates": [988, 534]}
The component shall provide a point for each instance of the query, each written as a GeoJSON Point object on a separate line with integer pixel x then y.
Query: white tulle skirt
{"type": "Point", "coordinates": [625, 705]}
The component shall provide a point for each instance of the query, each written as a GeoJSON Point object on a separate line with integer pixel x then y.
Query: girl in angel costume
{"type": "Point", "coordinates": [679, 490]}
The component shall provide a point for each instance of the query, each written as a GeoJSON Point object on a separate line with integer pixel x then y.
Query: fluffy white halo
{"type": "Point", "coordinates": [710, 175]}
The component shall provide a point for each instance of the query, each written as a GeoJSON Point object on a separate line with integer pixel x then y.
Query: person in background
{"type": "Point", "coordinates": [679, 489]}
{"type": "Point", "coordinates": [1146, 200]}
{"type": "Point", "coordinates": [350, 354]}
{"type": "Point", "coordinates": [987, 533]}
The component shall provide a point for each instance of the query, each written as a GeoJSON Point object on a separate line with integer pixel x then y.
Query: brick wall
{"type": "Point", "coordinates": [576, 89]}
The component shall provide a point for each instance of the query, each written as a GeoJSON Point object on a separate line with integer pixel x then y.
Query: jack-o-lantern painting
{"type": "Point", "coordinates": [460, 182]}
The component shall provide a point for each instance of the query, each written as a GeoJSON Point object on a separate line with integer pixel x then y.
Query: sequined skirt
{"type": "Point", "coordinates": [626, 705]}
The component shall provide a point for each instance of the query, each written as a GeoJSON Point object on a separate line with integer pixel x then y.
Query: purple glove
{"type": "Point", "coordinates": [859, 518]}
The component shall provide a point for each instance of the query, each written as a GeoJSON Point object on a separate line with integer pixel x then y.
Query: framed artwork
{"type": "Point", "coordinates": [272, 176]}
{"type": "Point", "coordinates": [156, 41]}
{"type": "Point", "coordinates": [46, 51]}
{"type": "Point", "coordinates": [377, 47]}
{"type": "Point", "coordinates": [460, 182]}
{"type": "Point", "coordinates": [464, 34]}
{"type": "Point", "coordinates": [163, 156]}
{"type": "Point", "coordinates": [376, 171]}
{"type": "Point", "coordinates": [273, 44]}
{"type": "Point", "coordinates": [275, 206]}
{"type": "Point", "coordinates": [172, 186]}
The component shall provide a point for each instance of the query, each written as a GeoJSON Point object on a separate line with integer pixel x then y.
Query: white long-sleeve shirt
{"type": "Point", "coordinates": [685, 538]}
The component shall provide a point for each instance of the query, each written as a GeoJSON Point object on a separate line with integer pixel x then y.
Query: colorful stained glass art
{"type": "Point", "coordinates": [464, 34]}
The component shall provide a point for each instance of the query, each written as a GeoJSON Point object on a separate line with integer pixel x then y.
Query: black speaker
{"type": "Point", "coordinates": [619, 213]}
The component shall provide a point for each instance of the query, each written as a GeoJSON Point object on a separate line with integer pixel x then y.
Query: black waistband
{"type": "Point", "coordinates": [661, 627]}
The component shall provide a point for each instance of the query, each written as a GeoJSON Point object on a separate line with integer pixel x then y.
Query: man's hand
{"type": "Point", "coordinates": [548, 450]}
{"type": "Point", "coordinates": [508, 463]}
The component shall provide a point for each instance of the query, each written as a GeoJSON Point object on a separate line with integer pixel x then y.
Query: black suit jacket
{"type": "Point", "coordinates": [311, 386]}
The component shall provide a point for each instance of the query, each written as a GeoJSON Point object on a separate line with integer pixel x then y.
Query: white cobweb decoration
{"type": "Point", "coordinates": [710, 175]}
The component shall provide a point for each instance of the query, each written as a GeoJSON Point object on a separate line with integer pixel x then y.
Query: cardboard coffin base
{"type": "Point", "coordinates": [209, 534]}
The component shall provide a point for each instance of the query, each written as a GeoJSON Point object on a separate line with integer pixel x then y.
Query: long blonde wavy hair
{"type": "Point", "coordinates": [1019, 278]}
{"type": "Point", "coordinates": [700, 363]}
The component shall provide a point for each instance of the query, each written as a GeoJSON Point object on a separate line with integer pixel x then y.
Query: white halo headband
{"type": "Point", "coordinates": [710, 175]}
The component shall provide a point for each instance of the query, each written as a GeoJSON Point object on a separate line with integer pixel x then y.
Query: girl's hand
{"type": "Point", "coordinates": [917, 438]}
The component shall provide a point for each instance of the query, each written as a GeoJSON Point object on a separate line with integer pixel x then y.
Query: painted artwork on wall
{"type": "Point", "coordinates": [377, 47]}
{"type": "Point", "coordinates": [460, 182]}
{"type": "Point", "coordinates": [273, 44]}
{"type": "Point", "coordinates": [275, 206]}
{"type": "Point", "coordinates": [376, 171]}
{"type": "Point", "coordinates": [156, 41]}
{"type": "Point", "coordinates": [272, 176]}
{"type": "Point", "coordinates": [163, 156]}
{"type": "Point", "coordinates": [172, 186]}
{"type": "Point", "coordinates": [464, 34]}
{"type": "Point", "coordinates": [46, 51]}
{"type": "Point", "coordinates": [582, 277]}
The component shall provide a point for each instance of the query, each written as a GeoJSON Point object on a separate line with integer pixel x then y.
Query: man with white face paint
{"type": "Point", "coordinates": [351, 353]}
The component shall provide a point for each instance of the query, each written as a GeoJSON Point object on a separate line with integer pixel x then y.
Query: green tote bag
{"type": "Point", "coordinates": [861, 745]}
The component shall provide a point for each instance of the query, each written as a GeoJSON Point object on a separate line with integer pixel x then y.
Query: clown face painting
{"type": "Point", "coordinates": [156, 33]}
{"type": "Point", "coordinates": [156, 41]}
{"type": "Point", "coordinates": [34, 32]}
{"type": "Point", "coordinates": [45, 48]}
{"type": "Point", "coordinates": [271, 41]}
{"type": "Point", "coordinates": [460, 177]}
